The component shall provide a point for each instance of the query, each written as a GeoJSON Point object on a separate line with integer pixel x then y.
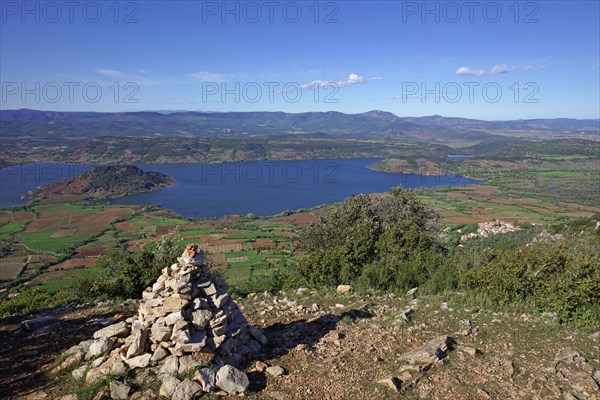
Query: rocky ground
{"type": "Point", "coordinates": [332, 345]}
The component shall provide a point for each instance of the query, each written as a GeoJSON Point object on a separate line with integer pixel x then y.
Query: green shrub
{"type": "Point", "coordinates": [125, 275]}
{"type": "Point", "coordinates": [563, 277]}
{"type": "Point", "coordinates": [30, 300]}
{"type": "Point", "coordinates": [384, 243]}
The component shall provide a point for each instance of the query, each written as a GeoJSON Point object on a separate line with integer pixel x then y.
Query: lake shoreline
{"type": "Point", "coordinates": [263, 188]}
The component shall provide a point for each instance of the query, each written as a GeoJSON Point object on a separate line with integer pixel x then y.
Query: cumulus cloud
{"type": "Point", "coordinates": [352, 79]}
{"type": "Point", "coordinates": [470, 71]}
{"type": "Point", "coordinates": [495, 70]}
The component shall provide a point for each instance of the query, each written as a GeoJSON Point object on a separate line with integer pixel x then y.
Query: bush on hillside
{"type": "Point", "coordinates": [384, 243]}
{"type": "Point", "coordinates": [562, 277]}
{"type": "Point", "coordinates": [125, 275]}
{"type": "Point", "coordinates": [30, 300]}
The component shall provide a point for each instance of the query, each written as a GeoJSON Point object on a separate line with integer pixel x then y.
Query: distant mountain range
{"type": "Point", "coordinates": [280, 125]}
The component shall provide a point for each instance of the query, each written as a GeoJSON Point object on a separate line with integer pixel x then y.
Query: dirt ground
{"type": "Point", "coordinates": [350, 343]}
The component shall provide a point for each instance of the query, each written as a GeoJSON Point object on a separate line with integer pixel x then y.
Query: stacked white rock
{"type": "Point", "coordinates": [185, 320]}
{"type": "Point", "coordinates": [188, 312]}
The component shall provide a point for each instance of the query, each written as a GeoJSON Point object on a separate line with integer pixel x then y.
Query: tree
{"type": "Point", "coordinates": [385, 243]}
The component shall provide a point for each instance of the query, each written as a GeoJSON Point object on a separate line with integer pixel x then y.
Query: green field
{"type": "Point", "coordinates": [58, 280]}
{"type": "Point", "coordinates": [192, 232]}
{"type": "Point", "coordinates": [12, 227]}
{"type": "Point", "coordinates": [41, 241]}
{"type": "Point", "coordinates": [250, 235]}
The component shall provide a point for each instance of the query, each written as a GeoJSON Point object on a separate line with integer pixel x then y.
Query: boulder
{"type": "Point", "coordinates": [232, 380]}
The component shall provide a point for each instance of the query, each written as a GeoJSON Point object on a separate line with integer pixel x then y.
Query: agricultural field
{"type": "Point", "coordinates": [51, 245]}
{"type": "Point", "coordinates": [545, 190]}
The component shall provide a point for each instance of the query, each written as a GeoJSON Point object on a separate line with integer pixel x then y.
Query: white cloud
{"type": "Point", "coordinates": [499, 69]}
{"type": "Point", "coordinates": [205, 76]}
{"type": "Point", "coordinates": [352, 79]}
{"type": "Point", "coordinates": [495, 70]}
{"type": "Point", "coordinates": [470, 71]}
{"type": "Point", "coordinates": [144, 79]}
{"type": "Point", "coordinates": [113, 73]}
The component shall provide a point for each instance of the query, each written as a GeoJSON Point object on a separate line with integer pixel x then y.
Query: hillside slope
{"type": "Point", "coordinates": [338, 346]}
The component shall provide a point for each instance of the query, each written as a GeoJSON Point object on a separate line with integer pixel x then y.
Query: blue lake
{"type": "Point", "coordinates": [216, 190]}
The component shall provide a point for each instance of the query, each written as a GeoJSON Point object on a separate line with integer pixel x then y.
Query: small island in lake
{"type": "Point", "coordinates": [102, 182]}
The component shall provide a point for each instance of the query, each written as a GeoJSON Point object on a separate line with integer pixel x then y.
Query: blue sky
{"type": "Point", "coordinates": [496, 60]}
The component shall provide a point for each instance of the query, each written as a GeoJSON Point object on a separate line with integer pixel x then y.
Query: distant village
{"type": "Point", "coordinates": [485, 229]}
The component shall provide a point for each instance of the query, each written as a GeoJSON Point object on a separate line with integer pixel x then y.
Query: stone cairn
{"type": "Point", "coordinates": [185, 321]}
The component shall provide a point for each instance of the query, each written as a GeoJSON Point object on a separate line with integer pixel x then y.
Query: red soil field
{"type": "Point", "coordinates": [22, 216]}
{"type": "Point", "coordinates": [263, 242]}
{"type": "Point", "coordinates": [126, 226]}
{"type": "Point", "coordinates": [64, 232]}
{"type": "Point", "coordinates": [71, 263]}
{"type": "Point", "coordinates": [301, 219]}
{"type": "Point", "coordinates": [89, 251]}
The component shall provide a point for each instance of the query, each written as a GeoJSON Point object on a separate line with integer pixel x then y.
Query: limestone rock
{"type": "Point", "coordinates": [146, 395]}
{"type": "Point", "coordinates": [138, 344]}
{"type": "Point", "coordinates": [391, 382]}
{"type": "Point", "coordinates": [192, 256]}
{"type": "Point", "coordinates": [39, 395]}
{"type": "Point", "coordinates": [78, 373]}
{"type": "Point", "coordinates": [139, 361]}
{"type": "Point", "coordinates": [113, 366]}
{"type": "Point", "coordinates": [433, 350]}
{"type": "Point", "coordinates": [173, 318]}
{"type": "Point", "coordinates": [344, 289]}
{"type": "Point", "coordinates": [168, 386]}
{"type": "Point", "coordinates": [207, 378]}
{"type": "Point", "coordinates": [159, 355]}
{"type": "Point", "coordinates": [187, 363]}
{"type": "Point", "coordinates": [173, 304]}
{"type": "Point", "coordinates": [119, 390]}
{"type": "Point", "coordinates": [260, 366]}
{"type": "Point", "coordinates": [119, 329]}
{"type": "Point", "coordinates": [232, 380]}
{"type": "Point", "coordinates": [187, 390]}
{"type": "Point", "coordinates": [171, 366]}
{"type": "Point", "coordinates": [412, 293]}
{"type": "Point", "coordinates": [275, 371]}
{"type": "Point", "coordinates": [100, 346]}
{"type": "Point", "coordinates": [69, 361]}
